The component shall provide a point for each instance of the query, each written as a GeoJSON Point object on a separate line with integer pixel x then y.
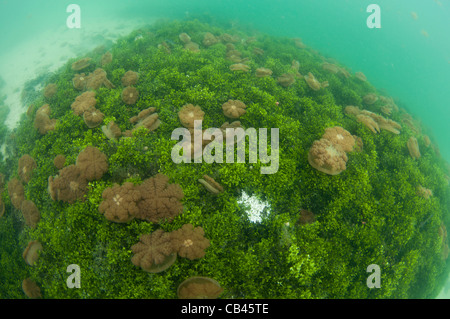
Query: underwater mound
{"type": "Point", "coordinates": [345, 179]}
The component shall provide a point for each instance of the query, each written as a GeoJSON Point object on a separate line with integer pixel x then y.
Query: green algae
{"type": "Point", "coordinates": [369, 214]}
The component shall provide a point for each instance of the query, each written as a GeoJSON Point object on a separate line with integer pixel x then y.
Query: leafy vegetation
{"type": "Point", "coordinates": [369, 214]}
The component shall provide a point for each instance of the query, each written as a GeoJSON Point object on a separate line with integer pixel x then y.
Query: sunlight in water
{"type": "Point", "coordinates": [256, 206]}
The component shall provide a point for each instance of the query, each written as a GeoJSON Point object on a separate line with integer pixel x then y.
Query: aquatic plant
{"type": "Point", "coordinates": [372, 212]}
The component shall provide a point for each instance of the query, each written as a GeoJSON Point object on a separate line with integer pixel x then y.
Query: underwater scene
{"type": "Point", "coordinates": [224, 149]}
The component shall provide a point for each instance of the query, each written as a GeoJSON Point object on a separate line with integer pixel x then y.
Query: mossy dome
{"type": "Point", "coordinates": [368, 214]}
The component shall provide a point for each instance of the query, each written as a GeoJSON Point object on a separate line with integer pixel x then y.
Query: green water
{"type": "Point", "coordinates": [398, 58]}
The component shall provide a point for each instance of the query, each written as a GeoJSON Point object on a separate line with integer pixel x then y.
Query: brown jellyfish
{"type": "Point", "coordinates": [106, 59]}
{"type": "Point", "coordinates": [235, 135]}
{"type": "Point", "coordinates": [361, 76]}
{"type": "Point", "coordinates": [142, 114]}
{"type": "Point", "coordinates": [232, 125]}
{"type": "Point", "coordinates": [154, 252]}
{"type": "Point", "coordinates": [286, 79]}
{"type": "Point", "coordinates": [130, 95]}
{"type": "Point", "coordinates": [359, 145]}
{"type": "Point", "coordinates": [92, 163]}
{"type": "Point", "coordinates": [368, 122]}
{"type": "Point", "coordinates": [2, 181]}
{"type": "Point", "coordinates": [16, 192]}
{"type": "Point", "coordinates": [258, 51]}
{"type": "Point", "coordinates": [59, 161]}
{"type": "Point", "coordinates": [389, 101]}
{"type": "Point", "coordinates": [211, 185]}
{"type": "Point", "coordinates": [44, 109]}
{"type": "Point", "coordinates": [190, 242]}
{"type": "Point", "coordinates": [386, 109]}
{"type": "Point", "coordinates": [30, 110]}
{"type": "Point", "coordinates": [190, 113]}
{"type": "Point", "coordinates": [130, 78]}
{"type": "Point", "coordinates": [79, 81]}
{"type": "Point", "coordinates": [442, 233]}
{"type": "Point", "coordinates": [30, 289]}
{"type": "Point", "coordinates": [352, 110]}
{"type": "Point", "coordinates": [199, 288]}
{"type": "Point", "coordinates": [112, 130]}
{"type": "Point", "coordinates": [339, 136]}
{"type": "Point", "coordinates": [26, 166]}
{"type": "Point", "coordinates": [411, 123]}
{"type": "Point", "coordinates": [146, 118]}
{"type": "Point", "coordinates": [150, 122]}
{"type": "Point", "coordinates": [370, 98]}
{"type": "Point", "coordinates": [263, 72]}
{"type": "Point", "coordinates": [160, 200]}
{"type": "Point", "coordinates": [295, 65]}
{"type": "Point", "coordinates": [209, 39]}
{"type": "Point", "coordinates": [230, 47]}
{"type": "Point", "coordinates": [93, 117]}
{"type": "Point", "coordinates": [426, 140]}
{"type": "Point", "coordinates": [184, 37]}
{"type": "Point", "coordinates": [314, 83]}
{"type": "Point", "coordinates": [227, 38]}
{"type": "Point", "coordinates": [299, 43]}
{"type": "Point", "coordinates": [164, 47]}
{"type": "Point", "coordinates": [413, 147]}
{"type": "Point", "coordinates": [83, 102]}
{"type": "Point", "coordinates": [344, 73]}
{"type": "Point", "coordinates": [234, 56]}
{"type": "Point", "coordinates": [120, 202]}
{"type": "Point", "coordinates": [42, 121]}
{"type": "Point", "coordinates": [2, 207]}
{"type": "Point", "coordinates": [424, 192]}
{"type": "Point", "coordinates": [387, 124]}
{"type": "Point", "coordinates": [327, 157]}
{"type": "Point", "coordinates": [239, 67]}
{"type": "Point", "coordinates": [237, 59]}
{"type": "Point", "coordinates": [249, 40]}
{"type": "Point", "coordinates": [192, 46]}
{"type": "Point", "coordinates": [31, 252]}
{"type": "Point", "coordinates": [81, 64]}
{"type": "Point", "coordinates": [234, 109]}
{"type": "Point", "coordinates": [98, 79]}
{"type": "Point", "coordinates": [30, 213]}
{"type": "Point", "coordinates": [332, 68]}
{"type": "Point", "coordinates": [50, 90]}
{"type": "Point", "coordinates": [306, 217]}
{"type": "Point", "coordinates": [69, 186]}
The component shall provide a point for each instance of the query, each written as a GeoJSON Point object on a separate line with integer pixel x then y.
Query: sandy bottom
{"type": "Point", "coordinates": [47, 52]}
